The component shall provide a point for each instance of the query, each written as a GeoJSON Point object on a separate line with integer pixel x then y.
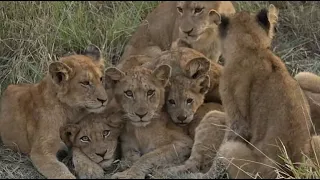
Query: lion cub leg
{"type": "Point", "coordinates": [209, 135]}
{"type": "Point", "coordinates": [43, 157]}
{"type": "Point", "coordinates": [242, 162]}
{"type": "Point", "coordinates": [160, 157]}
{"type": "Point", "coordinates": [314, 159]}
{"type": "Point", "coordinates": [84, 167]}
{"type": "Point", "coordinates": [130, 154]}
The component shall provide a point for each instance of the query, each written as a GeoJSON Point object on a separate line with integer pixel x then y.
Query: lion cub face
{"type": "Point", "coordinates": [96, 136]}
{"type": "Point", "coordinates": [78, 80]}
{"type": "Point", "coordinates": [185, 96]}
{"type": "Point", "coordinates": [196, 20]}
{"type": "Point", "coordinates": [140, 91]}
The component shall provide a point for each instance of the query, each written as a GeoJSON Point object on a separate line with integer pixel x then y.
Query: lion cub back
{"type": "Point", "coordinates": [310, 84]}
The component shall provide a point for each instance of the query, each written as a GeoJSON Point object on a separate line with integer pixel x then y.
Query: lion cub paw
{"type": "Point", "coordinates": [180, 169]}
{"type": "Point", "coordinates": [128, 175]}
{"type": "Point", "coordinates": [95, 172]}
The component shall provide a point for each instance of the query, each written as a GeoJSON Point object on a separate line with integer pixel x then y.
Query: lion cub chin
{"type": "Point", "coordinates": [93, 142]}
{"type": "Point", "coordinates": [32, 114]}
{"type": "Point", "coordinates": [146, 141]}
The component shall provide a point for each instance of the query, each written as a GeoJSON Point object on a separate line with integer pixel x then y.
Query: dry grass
{"type": "Point", "coordinates": [33, 34]}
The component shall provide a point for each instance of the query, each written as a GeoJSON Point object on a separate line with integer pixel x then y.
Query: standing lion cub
{"type": "Point", "coordinates": [31, 114]}
{"type": "Point", "coordinates": [192, 21]}
{"type": "Point", "coordinates": [266, 107]}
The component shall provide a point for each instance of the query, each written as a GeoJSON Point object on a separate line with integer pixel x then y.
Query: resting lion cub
{"type": "Point", "coordinates": [310, 84]}
{"type": "Point", "coordinates": [207, 130]}
{"type": "Point", "coordinates": [31, 114]}
{"type": "Point", "coordinates": [266, 107]}
{"type": "Point", "coordinates": [194, 79]}
{"type": "Point", "coordinates": [189, 20]}
{"type": "Point", "coordinates": [94, 142]}
{"type": "Point", "coordinates": [147, 141]}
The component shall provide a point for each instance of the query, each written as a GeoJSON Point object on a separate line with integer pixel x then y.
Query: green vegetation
{"type": "Point", "coordinates": [33, 34]}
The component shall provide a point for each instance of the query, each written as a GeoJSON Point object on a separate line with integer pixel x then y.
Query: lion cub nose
{"type": "Point", "coordinates": [100, 154]}
{"type": "Point", "coordinates": [102, 100]}
{"type": "Point", "coordinates": [182, 118]}
{"type": "Point", "coordinates": [141, 115]}
{"type": "Point", "coordinates": [188, 32]}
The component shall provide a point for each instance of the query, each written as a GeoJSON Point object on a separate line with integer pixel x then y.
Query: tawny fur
{"type": "Point", "coordinates": [166, 23]}
{"type": "Point", "coordinates": [186, 94]}
{"type": "Point", "coordinates": [97, 152]}
{"type": "Point", "coordinates": [146, 141]}
{"type": "Point", "coordinates": [208, 130]}
{"type": "Point", "coordinates": [310, 84]}
{"type": "Point", "coordinates": [263, 103]}
{"type": "Point", "coordinates": [31, 114]}
{"type": "Point", "coordinates": [193, 76]}
{"type": "Point", "coordinates": [194, 64]}
{"type": "Point", "coordinates": [314, 160]}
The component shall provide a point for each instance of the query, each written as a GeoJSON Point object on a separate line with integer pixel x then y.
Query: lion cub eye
{"type": "Point", "coordinates": [189, 100]}
{"type": "Point", "coordinates": [129, 93]}
{"type": "Point", "coordinates": [101, 79]}
{"type": "Point", "coordinates": [150, 92]}
{"type": "Point", "coordinates": [84, 139]}
{"type": "Point", "coordinates": [85, 83]}
{"type": "Point", "coordinates": [198, 10]}
{"type": "Point", "coordinates": [171, 101]}
{"type": "Point", "coordinates": [106, 133]}
{"type": "Point", "coordinates": [179, 9]}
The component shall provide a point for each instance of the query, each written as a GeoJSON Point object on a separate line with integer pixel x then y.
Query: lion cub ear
{"type": "Point", "coordinates": [202, 84]}
{"type": "Point", "coordinates": [162, 73]}
{"type": "Point", "coordinates": [113, 75]}
{"type": "Point", "coordinates": [115, 121]}
{"type": "Point", "coordinates": [68, 133]}
{"type": "Point", "coordinates": [215, 16]}
{"type": "Point", "coordinates": [197, 67]}
{"type": "Point", "coordinates": [268, 19]}
{"type": "Point", "coordinates": [94, 52]}
{"type": "Point", "coordinates": [60, 72]}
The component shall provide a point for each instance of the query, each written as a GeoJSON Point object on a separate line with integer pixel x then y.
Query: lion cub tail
{"type": "Point", "coordinates": [308, 81]}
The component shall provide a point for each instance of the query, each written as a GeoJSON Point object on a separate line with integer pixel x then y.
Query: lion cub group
{"type": "Point", "coordinates": [166, 104]}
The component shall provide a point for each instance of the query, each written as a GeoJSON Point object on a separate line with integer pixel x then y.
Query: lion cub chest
{"type": "Point", "coordinates": [148, 138]}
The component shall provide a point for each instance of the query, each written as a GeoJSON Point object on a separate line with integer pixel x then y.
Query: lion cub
{"type": "Point", "coordinates": [310, 84]}
{"type": "Point", "coordinates": [147, 140]}
{"type": "Point", "coordinates": [189, 20]}
{"type": "Point", "coordinates": [93, 142]}
{"type": "Point", "coordinates": [265, 105]}
{"type": "Point", "coordinates": [194, 80]}
{"type": "Point", "coordinates": [32, 114]}
{"type": "Point", "coordinates": [208, 131]}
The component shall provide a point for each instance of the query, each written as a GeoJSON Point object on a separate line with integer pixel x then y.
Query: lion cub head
{"type": "Point", "coordinates": [196, 20]}
{"type": "Point", "coordinates": [96, 136]}
{"type": "Point", "coordinates": [140, 91]}
{"type": "Point", "coordinates": [252, 31]}
{"type": "Point", "coordinates": [78, 80]}
{"type": "Point", "coordinates": [188, 85]}
{"type": "Point", "coordinates": [185, 96]}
